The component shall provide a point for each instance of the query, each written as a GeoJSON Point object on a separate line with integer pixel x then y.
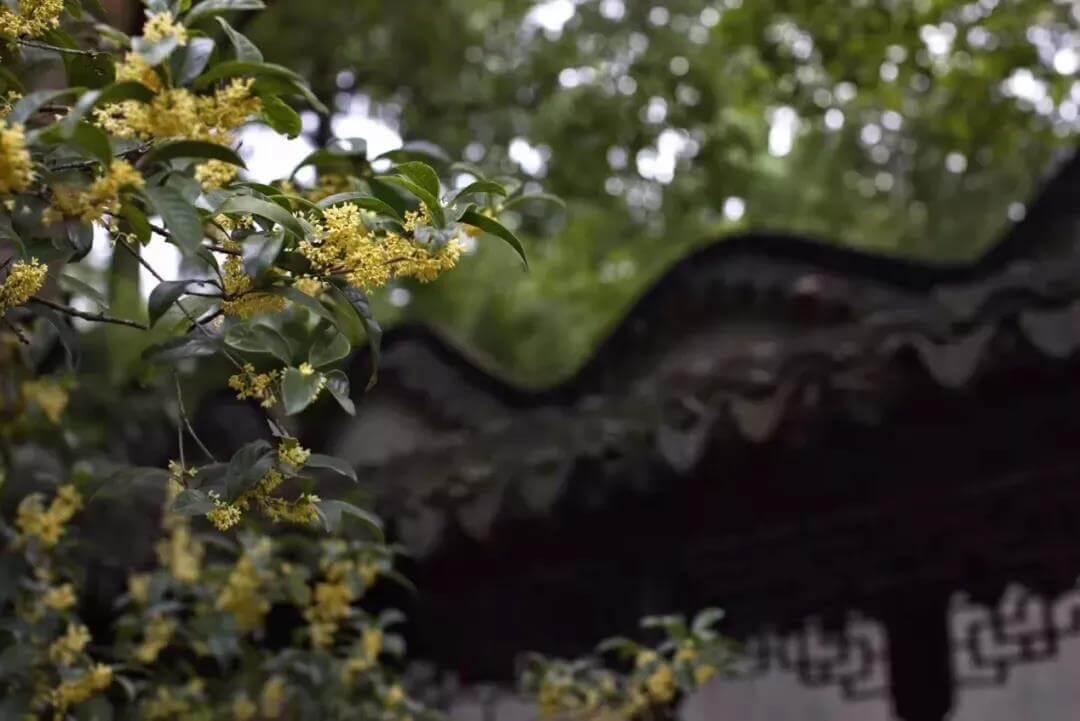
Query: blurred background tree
{"type": "Point", "coordinates": [916, 129]}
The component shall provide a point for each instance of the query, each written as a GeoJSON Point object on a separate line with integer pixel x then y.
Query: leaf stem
{"type": "Point", "coordinates": [96, 317]}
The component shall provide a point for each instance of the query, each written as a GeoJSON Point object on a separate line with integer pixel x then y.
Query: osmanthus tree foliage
{"type": "Point", "coordinates": [130, 141]}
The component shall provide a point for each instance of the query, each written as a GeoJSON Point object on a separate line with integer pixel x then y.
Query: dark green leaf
{"type": "Point", "coordinates": [163, 296]}
{"type": "Point", "coordinates": [181, 218]}
{"type": "Point", "coordinates": [191, 149]}
{"type": "Point", "coordinates": [28, 106]}
{"type": "Point", "coordinates": [417, 149]}
{"type": "Point", "coordinates": [174, 349]}
{"type": "Point", "coordinates": [192, 502]}
{"type": "Point", "coordinates": [247, 466]}
{"type": "Point", "coordinates": [245, 204]}
{"type": "Point", "coordinates": [246, 50]}
{"type": "Point", "coordinates": [534, 197]}
{"type": "Point", "coordinates": [306, 301]}
{"type": "Point", "coordinates": [332, 513]}
{"type": "Point", "coordinates": [74, 285]}
{"type": "Point", "coordinates": [209, 8]}
{"type": "Point", "coordinates": [281, 117]}
{"type": "Point", "coordinates": [422, 174]}
{"type": "Point", "coordinates": [328, 346]}
{"type": "Point", "coordinates": [338, 465]}
{"type": "Point", "coordinates": [432, 203]}
{"type": "Point", "coordinates": [155, 52]}
{"type": "Point", "coordinates": [366, 202]}
{"type": "Point", "coordinates": [260, 252]}
{"type": "Point", "coordinates": [240, 68]}
{"type": "Point", "coordinates": [298, 390]}
{"type": "Point", "coordinates": [259, 339]}
{"type": "Point", "coordinates": [494, 227]}
{"type": "Point", "coordinates": [481, 186]}
{"type": "Point", "coordinates": [360, 302]}
{"type": "Point", "coordinates": [338, 385]}
{"type": "Point", "coordinates": [196, 56]}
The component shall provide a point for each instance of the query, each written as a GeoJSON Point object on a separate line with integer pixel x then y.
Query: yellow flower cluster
{"type": "Point", "coordinates": [47, 524]}
{"type": "Point", "coordinates": [136, 68]}
{"type": "Point", "coordinates": [174, 704]}
{"type": "Point", "coordinates": [47, 395]}
{"type": "Point", "coordinates": [346, 247]}
{"type": "Point", "coordinates": [158, 635]}
{"type": "Point", "coordinates": [331, 604]}
{"type": "Point", "coordinates": [24, 279]}
{"type": "Point", "coordinates": [303, 511]}
{"type": "Point", "coordinates": [243, 594]}
{"type": "Point", "coordinates": [259, 386]}
{"type": "Point", "coordinates": [160, 26]}
{"type": "Point", "coordinates": [181, 553]}
{"type": "Point", "coordinates": [65, 650]}
{"type": "Point", "coordinates": [138, 587]}
{"type": "Point", "coordinates": [103, 195]}
{"type": "Point", "coordinates": [243, 708]}
{"type": "Point", "coordinates": [225, 515]}
{"type": "Point", "coordinates": [273, 696]}
{"type": "Point", "coordinates": [214, 174]}
{"type": "Point", "coordinates": [16, 166]}
{"type": "Point", "coordinates": [290, 451]}
{"type": "Point", "coordinates": [7, 102]}
{"type": "Point", "coordinates": [59, 598]}
{"type": "Point", "coordinates": [310, 286]}
{"type": "Point", "coordinates": [370, 646]}
{"type": "Point", "coordinates": [179, 114]}
{"type": "Point", "coordinates": [242, 302]}
{"type": "Point", "coordinates": [75, 691]}
{"type": "Point", "coordinates": [34, 19]}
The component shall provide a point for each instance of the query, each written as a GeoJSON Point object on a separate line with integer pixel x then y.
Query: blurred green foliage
{"type": "Point", "coordinates": [908, 128]}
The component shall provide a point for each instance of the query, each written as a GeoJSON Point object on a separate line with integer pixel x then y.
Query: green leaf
{"type": "Point", "coordinates": [209, 8]}
{"type": "Point", "coordinates": [129, 90]}
{"type": "Point", "coordinates": [333, 512]}
{"type": "Point", "coordinates": [260, 252]}
{"type": "Point", "coordinates": [181, 218]}
{"type": "Point", "coordinates": [245, 204]}
{"type": "Point", "coordinates": [338, 385]}
{"type": "Point", "coordinates": [155, 52]}
{"type": "Point", "coordinates": [298, 390]}
{"type": "Point", "coordinates": [195, 59]}
{"type": "Point", "coordinates": [328, 347]}
{"type": "Point", "coordinates": [360, 302]}
{"type": "Point", "coordinates": [259, 339]}
{"type": "Point", "coordinates": [307, 302]}
{"type": "Point", "coordinates": [367, 202]}
{"type": "Point", "coordinates": [494, 227]}
{"type": "Point", "coordinates": [89, 139]}
{"type": "Point", "coordinates": [191, 149]}
{"type": "Point", "coordinates": [241, 68]}
{"type": "Point", "coordinates": [249, 464]}
{"type": "Point", "coordinates": [192, 502]}
{"type": "Point", "coordinates": [246, 51]}
{"type": "Point", "coordinates": [281, 117]}
{"type": "Point", "coordinates": [28, 106]}
{"type": "Point", "coordinates": [73, 285]}
{"type": "Point", "coordinates": [335, 157]}
{"type": "Point", "coordinates": [163, 296]}
{"type": "Point", "coordinates": [174, 349]}
{"type": "Point", "coordinates": [416, 149]}
{"type": "Point", "coordinates": [481, 186]}
{"type": "Point", "coordinates": [338, 465]}
{"type": "Point", "coordinates": [422, 174]}
{"type": "Point", "coordinates": [432, 203]}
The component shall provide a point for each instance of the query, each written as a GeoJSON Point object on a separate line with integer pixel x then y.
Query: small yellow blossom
{"type": "Point", "coordinates": [16, 167]}
{"type": "Point", "coordinates": [214, 174]}
{"type": "Point", "coordinates": [243, 708]}
{"type": "Point", "coordinates": [59, 598]}
{"type": "Point", "coordinates": [310, 286]}
{"type": "Point", "coordinates": [272, 698]}
{"type": "Point", "coordinates": [75, 691]}
{"type": "Point", "coordinates": [241, 300]}
{"type": "Point", "coordinates": [661, 684]}
{"type": "Point", "coordinates": [243, 594]}
{"type": "Point", "coordinates": [181, 554]}
{"type": "Point", "coordinates": [703, 673]}
{"type": "Point", "coordinates": [22, 282]}
{"type": "Point", "coordinates": [34, 19]}
{"type": "Point", "coordinates": [369, 572]}
{"type": "Point", "coordinates": [224, 516]}
{"type": "Point", "coordinates": [47, 525]}
{"type": "Point", "coordinates": [290, 451]}
{"type": "Point", "coordinates": [65, 650]}
{"type": "Point", "coordinates": [306, 369]}
{"type": "Point", "coordinates": [138, 587]}
{"type": "Point", "coordinates": [47, 395]}
{"type": "Point", "coordinates": [178, 113]}
{"type": "Point", "coordinates": [331, 603]}
{"type": "Point", "coordinates": [136, 68]}
{"type": "Point", "coordinates": [259, 386]}
{"type": "Point", "coordinates": [158, 635]}
{"type": "Point", "coordinates": [394, 696]}
{"type": "Point", "coordinates": [103, 195]}
{"type": "Point", "coordinates": [160, 26]}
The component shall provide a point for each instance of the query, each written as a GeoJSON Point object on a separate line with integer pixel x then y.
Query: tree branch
{"type": "Point", "coordinates": [96, 317]}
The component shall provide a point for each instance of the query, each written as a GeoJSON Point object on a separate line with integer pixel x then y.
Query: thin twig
{"type": "Point", "coordinates": [97, 317]}
{"type": "Point", "coordinates": [17, 331]}
{"type": "Point", "coordinates": [160, 279]}
{"type": "Point", "coordinates": [222, 249]}
{"type": "Point", "coordinates": [86, 164]}
{"type": "Point", "coordinates": [57, 49]}
{"type": "Point", "coordinates": [187, 423]}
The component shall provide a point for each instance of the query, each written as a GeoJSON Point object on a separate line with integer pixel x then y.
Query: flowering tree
{"type": "Point", "coordinates": [131, 141]}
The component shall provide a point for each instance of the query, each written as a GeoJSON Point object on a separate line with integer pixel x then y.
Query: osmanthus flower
{"type": "Point", "coordinates": [257, 386]}
{"type": "Point", "coordinates": [16, 166]}
{"type": "Point", "coordinates": [44, 524]}
{"type": "Point", "coordinates": [181, 553]}
{"type": "Point", "coordinates": [34, 18]}
{"type": "Point", "coordinates": [160, 26]}
{"type": "Point", "coordinates": [102, 196]}
{"type": "Point", "coordinates": [23, 280]}
{"type": "Point", "coordinates": [46, 394]}
{"type": "Point", "coordinates": [59, 598]}
{"type": "Point", "coordinates": [159, 634]}
{"type": "Point", "coordinates": [244, 593]}
{"type": "Point", "coordinates": [83, 687]}
{"type": "Point", "coordinates": [241, 299]}
{"type": "Point", "coordinates": [66, 649]}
